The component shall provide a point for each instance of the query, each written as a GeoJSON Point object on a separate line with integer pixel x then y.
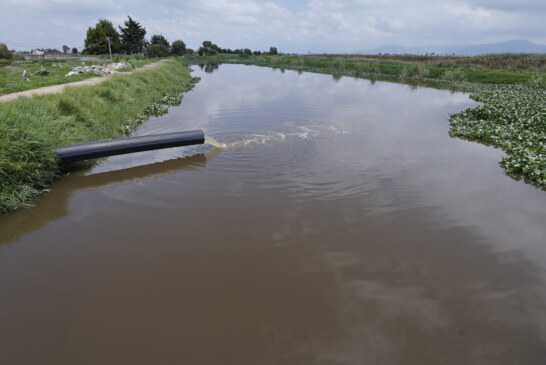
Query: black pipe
{"type": "Point", "coordinates": [120, 146]}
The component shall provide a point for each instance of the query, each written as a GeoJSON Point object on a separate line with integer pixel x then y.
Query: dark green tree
{"type": "Point", "coordinates": [211, 46]}
{"type": "Point", "coordinates": [4, 52]}
{"type": "Point", "coordinates": [159, 39]}
{"type": "Point", "coordinates": [273, 51]}
{"type": "Point", "coordinates": [132, 36]}
{"type": "Point", "coordinates": [157, 50]}
{"type": "Point", "coordinates": [95, 41]}
{"type": "Point", "coordinates": [208, 49]}
{"type": "Point", "coordinates": [178, 48]}
{"type": "Point", "coordinates": [66, 49]}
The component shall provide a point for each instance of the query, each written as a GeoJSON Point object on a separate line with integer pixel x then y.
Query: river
{"type": "Point", "coordinates": [340, 225]}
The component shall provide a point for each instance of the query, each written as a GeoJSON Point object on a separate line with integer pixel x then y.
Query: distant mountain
{"type": "Point", "coordinates": [512, 46]}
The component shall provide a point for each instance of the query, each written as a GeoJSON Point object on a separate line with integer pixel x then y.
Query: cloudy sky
{"type": "Point", "coordinates": [290, 25]}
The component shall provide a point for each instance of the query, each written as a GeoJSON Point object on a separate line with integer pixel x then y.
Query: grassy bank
{"type": "Point", "coordinates": [11, 79]}
{"type": "Point", "coordinates": [512, 89]}
{"type": "Point", "coordinates": [30, 128]}
{"type": "Point", "coordinates": [389, 67]}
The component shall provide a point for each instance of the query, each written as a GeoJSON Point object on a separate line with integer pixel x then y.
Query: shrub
{"type": "Point", "coordinates": [414, 71]}
{"type": "Point", "coordinates": [454, 75]}
{"type": "Point", "coordinates": [157, 50]}
{"type": "Point", "coordinates": [178, 48]}
{"type": "Point", "coordinates": [538, 81]}
{"type": "Point", "coordinates": [4, 52]}
{"type": "Point", "coordinates": [18, 57]}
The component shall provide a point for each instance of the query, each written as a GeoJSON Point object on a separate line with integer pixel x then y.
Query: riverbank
{"type": "Point", "coordinates": [32, 127]}
{"type": "Point", "coordinates": [512, 89]}
{"type": "Point", "coordinates": [58, 88]}
{"type": "Point", "coordinates": [13, 81]}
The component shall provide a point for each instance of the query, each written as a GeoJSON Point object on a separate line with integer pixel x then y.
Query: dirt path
{"type": "Point", "coordinates": [55, 89]}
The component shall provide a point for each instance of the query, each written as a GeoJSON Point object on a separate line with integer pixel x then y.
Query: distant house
{"type": "Point", "coordinates": [35, 55]}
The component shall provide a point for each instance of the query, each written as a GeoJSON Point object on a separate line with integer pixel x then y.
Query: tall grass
{"type": "Point", "coordinates": [375, 66]}
{"type": "Point", "coordinates": [504, 61]}
{"type": "Point", "coordinates": [31, 128]}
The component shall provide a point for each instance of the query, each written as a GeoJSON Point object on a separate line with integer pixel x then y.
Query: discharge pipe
{"type": "Point", "coordinates": [120, 146]}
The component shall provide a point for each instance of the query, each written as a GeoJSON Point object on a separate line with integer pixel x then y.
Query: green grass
{"type": "Point", "coordinates": [30, 128]}
{"type": "Point", "coordinates": [363, 66]}
{"type": "Point", "coordinates": [11, 80]}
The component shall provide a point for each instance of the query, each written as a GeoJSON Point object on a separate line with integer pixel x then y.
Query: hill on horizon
{"type": "Point", "coordinates": [511, 46]}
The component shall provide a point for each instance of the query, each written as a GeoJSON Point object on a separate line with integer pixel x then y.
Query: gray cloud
{"type": "Point", "coordinates": [292, 26]}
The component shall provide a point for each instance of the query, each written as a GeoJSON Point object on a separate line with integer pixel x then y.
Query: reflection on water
{"type": "Point", "coordinates": [209, 68]}
{"type": "Point", "coordinates": [340, 224]}
{"type": "Point", "coordinates": [53, 205]}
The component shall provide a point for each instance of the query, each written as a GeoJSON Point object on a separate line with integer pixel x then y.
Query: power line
{"type": "Point", "coordinates": [25, 46]}
{"type": "Point", "coordinates": [20, 44]}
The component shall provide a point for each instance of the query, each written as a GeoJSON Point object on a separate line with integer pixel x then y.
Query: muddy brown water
{"type": "Point", "coordinates": [341, 225]}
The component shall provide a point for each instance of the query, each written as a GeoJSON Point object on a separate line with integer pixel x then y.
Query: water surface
{"type": "Point", "coordinates": [341, 225]}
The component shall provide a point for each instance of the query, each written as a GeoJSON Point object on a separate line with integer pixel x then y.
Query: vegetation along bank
{"type": "Point", "coordinates": [511, 87]}
{"type": "Point", "coordinates": [31, 128]}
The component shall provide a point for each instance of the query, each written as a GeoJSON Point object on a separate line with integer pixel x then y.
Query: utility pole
{"type": "Point", "coordinates": [110, 49]}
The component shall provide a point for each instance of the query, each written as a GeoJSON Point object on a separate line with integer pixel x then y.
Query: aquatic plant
{"type": "Point", "coordinates": [512, 117]}
{"type": "Point", "coordinates": [155, 109]}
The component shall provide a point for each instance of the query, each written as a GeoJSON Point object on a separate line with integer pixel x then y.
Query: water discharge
{"type": "Point", "coordinates": [214, 143]}
{"type": "Point", "coordinates": [328, 222]}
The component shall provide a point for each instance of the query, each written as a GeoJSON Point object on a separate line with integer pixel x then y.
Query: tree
{"type": "Point", "coordinates": [74, 50]}
{"type": "Point", "coordinates": [132, 36]}
{"type": "Point", "coordinates": [273, 51]}
{"type": "Point", "coordinates": [4, 52]}
{"type": "Point", "coordinates": [157, 50]}
{"type": "Point", "coordinates": [66, 49]}
{"type": "Point", "coordinates": [159, 39]}
{"type": "Point", "coordinates": [178, 48]}
{"type": "Point", "coordinates": [95, 41]}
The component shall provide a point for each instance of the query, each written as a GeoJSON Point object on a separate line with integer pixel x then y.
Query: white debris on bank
{"type": "Point", "coordinates": [99, 70]}
{"type": "Point", "coordinates": [118, 65]}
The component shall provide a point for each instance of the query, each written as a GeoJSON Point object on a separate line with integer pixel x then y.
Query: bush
{"type": "Point", "coordinates": [4, 52]}
{"type": "Point", "coordinates": [178, 48]}
{"type": "Point", "coordinates": [18, 57]}
{"type": "Point", "coordinates": [539, 81]}
{"type": "Point", "coordinates": [454, 75]}
{"type": "Point", "coordinates": [415, 71]}
{"type": "Point", "coordinates": [157, 50]}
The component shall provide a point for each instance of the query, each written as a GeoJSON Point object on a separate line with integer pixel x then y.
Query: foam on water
{"type": "Point", "coordinates": [300, 132]}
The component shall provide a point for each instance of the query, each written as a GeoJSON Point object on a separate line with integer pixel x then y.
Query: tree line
{"type": "Point", "coordinates": [131, 39]}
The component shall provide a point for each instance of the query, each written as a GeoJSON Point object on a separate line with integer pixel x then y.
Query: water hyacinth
{"type": "Point", "coordinates": [513, 117]}
{"type": "Point", "coordinates": [155, 109]}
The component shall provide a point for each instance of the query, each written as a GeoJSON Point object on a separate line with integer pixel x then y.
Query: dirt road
{"type": "Point", "coordinates": [55, 89]}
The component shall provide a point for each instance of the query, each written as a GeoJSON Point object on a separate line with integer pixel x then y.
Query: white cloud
{"type": "Point", "coordinates": [314, 25]}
